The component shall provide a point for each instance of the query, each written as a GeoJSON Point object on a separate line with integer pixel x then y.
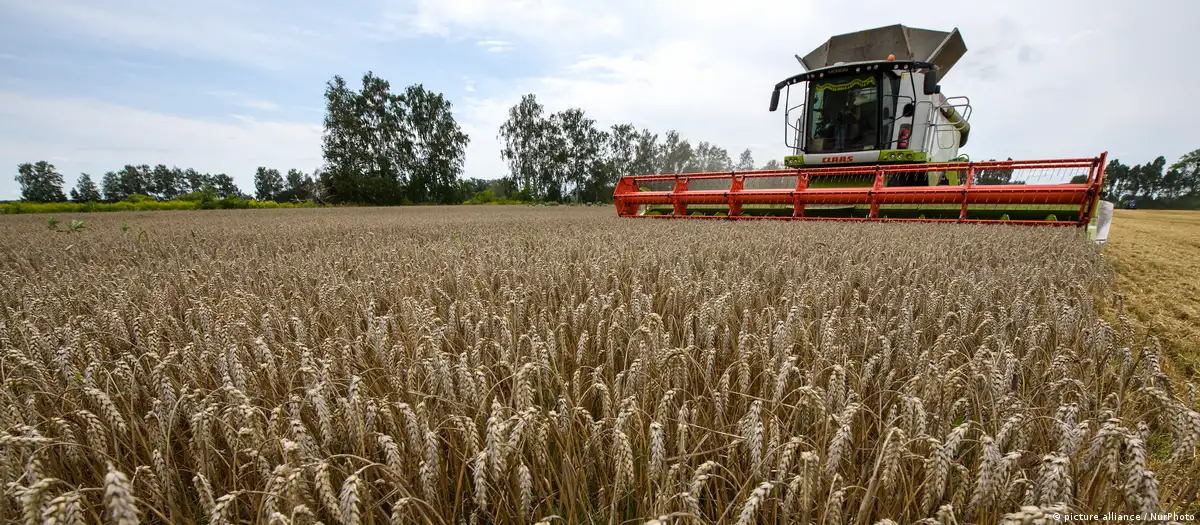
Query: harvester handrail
{"type": "Point", "coordinates": [709, 175]}
{"type": "Point", "coordinates": [870, 169]}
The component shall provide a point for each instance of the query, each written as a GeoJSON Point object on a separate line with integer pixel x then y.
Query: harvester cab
{"type": "Point", "coordinates": [873, 138]}
{"type": "Point", "coordinates": [873, 97]}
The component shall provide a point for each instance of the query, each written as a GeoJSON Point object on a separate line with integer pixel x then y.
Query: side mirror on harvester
{"type": "Point", "coordinates": [931, 82]}
{"type": "Point", "coordinates": [774, 100]}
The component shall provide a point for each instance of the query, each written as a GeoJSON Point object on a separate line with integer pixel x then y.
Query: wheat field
{"type": "Point", "coordinates": [1156, 257]}
{"type": "Point", "coordinates": [474, 365]}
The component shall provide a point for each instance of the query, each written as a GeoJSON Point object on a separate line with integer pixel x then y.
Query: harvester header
{"type": "Point", "coordinates": [872, 137]}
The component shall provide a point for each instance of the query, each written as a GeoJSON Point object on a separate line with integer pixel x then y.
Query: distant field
{"type": "Point", "coordinates": [1156, 254]}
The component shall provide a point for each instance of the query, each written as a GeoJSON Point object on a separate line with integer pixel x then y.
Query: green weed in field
{"type": "Point", "coordinates": [144, 205]}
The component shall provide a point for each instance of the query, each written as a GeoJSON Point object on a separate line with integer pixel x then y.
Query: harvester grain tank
{"type": "Point", "coordinates": [871, 137]}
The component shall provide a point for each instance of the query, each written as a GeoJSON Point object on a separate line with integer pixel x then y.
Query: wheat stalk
{"type": "Point", "coordinates": [118, 494]}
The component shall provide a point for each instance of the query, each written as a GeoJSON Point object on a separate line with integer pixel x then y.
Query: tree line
{"type": "Point", "coordinates": [565, 156]}
{"type": "Point", "coordinates": [41, 182]}
{"type": "Point", "coordinates": [1154, 184]}
{"type": "Point", "coordinates": [379, 148]}
{"type": "Point", "coordinates": [382, 147]}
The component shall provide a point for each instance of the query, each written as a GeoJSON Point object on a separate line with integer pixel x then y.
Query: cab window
{"type": "Point", "coordinates": [843, 114]}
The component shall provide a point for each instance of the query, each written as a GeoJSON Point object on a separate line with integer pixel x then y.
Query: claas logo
{"type": "Point", "coordinates": [838, 158]}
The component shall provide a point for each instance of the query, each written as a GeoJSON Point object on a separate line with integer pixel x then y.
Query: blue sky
{"type": "Point", "coordinates": [226, 86]}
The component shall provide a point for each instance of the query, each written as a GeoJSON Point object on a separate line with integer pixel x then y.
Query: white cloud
{"type": "Point", "coordinates": [1046, 80]}
{"type": "Point", "coordinates": [239, 32]}
{"type": "Point", "coordinates": [243, 100]}
{"type": "Point", "coordinates": [555, 20]}
{"type": "Point", "coordinates": [495, 46]}
{"type": "Point", "coordinates": [84, 135]}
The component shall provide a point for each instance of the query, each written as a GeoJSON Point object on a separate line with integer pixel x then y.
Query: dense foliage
{"type": "Point", "coordinates": [565, 156]}
{"type": "Point", "coordinates": [1154, 184]}
{"type": "Point", "coordinates": [390, 148]}
{"type": "Point", "coordinates": [40, 182]}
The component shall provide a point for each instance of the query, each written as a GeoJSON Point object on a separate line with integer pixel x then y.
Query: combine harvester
{"type": "Point", "coordinates": [874, 139]}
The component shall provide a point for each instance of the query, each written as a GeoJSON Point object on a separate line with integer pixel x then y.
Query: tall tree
{"type": "Point", "coordinates": [194, 181]}
{"type": "Point", "coordinates": [551, 155]}
{"type": "Point", "coordinates": [438, 147]}
{"type": "Point", "coordinates": [40, 182]}
{"type": "Point", "coordinates": [163, 183]}
{"type": "Point", "coordinates": [647, 158]}
{"type": "Point", "coordinates": [994, 176]}
{"type": "Point", "coordinates": [524, 136]}
{"type": "Point", "coordinates": [224, 186]}
{"type": "Point", "coordinates": [1188, 167]}
{"type": "Point", "coordinates": [385, 141]}
{"type": "Point", "coordinates": [745, 161]}
{"type": "Point", "coordinates": [363, 143]}
{"type": "Point", "coordinates": [1172, 184]}
{"type": "Point", "coordinates": [317, 189]}
{"type": "Point", "coordinates": [179, 182]}
{"type": "Point", "coordinates": [85, 190]}
{"type": "Point", "coordinates": [708, 157]}
{"type": "Point", "coordinates": [298, 186]}
{"type": "Point", "coordinates": [1116, 179]}
{"type": "Point", "coordinates": [675, 153]}
{"type": "Point", "coordinates": [621, 148]}
{"type": "Point", "coordinates": [1149, 177]}
{"type": "Point", "coordinates": [135, 180]}
{"type": "Point", "coordinates": [582, 147]}
{"type": "Point", "coordinates": [268, 184]}
{"type": "Point", "coordinates": [383, 148]}
{"type": "Point", "coordinates": [772, 164]}
{"type": "Point", "coordinates": [1133, 183]}
{"type": "Point", "coordinates": [112, 188]}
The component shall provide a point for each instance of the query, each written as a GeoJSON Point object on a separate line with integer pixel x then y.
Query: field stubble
{"type": "Point", "coordinates": [468, 365]}
{"type": "Point", "coordinates": [1156, 255]}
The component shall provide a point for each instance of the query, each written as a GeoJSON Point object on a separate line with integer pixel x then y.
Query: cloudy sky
{"type": "Point", "coordinates": [228, 85]}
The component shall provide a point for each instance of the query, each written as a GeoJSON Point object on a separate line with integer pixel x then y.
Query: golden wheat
{"type": "Point", "coordinates": [517, 365]}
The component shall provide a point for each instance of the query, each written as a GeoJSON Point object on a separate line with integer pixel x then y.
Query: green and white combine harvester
{"type": "Point", "coordinates": [872, 138]}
